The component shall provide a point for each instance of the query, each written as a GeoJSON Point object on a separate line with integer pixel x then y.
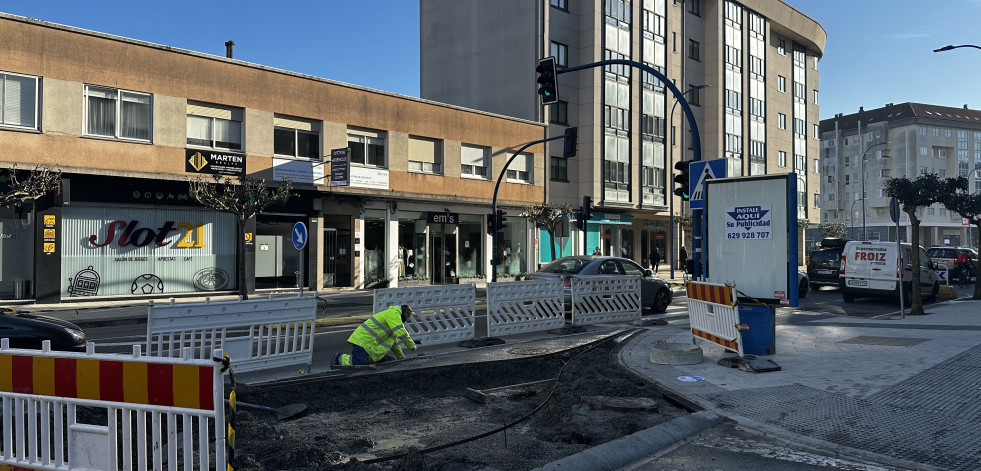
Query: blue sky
{"type": "Point", "coordinates": [878, 51]}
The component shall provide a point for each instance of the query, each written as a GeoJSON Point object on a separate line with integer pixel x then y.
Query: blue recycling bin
{"type": "Point", "coordinates": [759, 329]}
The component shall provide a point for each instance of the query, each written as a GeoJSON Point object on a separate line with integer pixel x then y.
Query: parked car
{"type": "Point", "coordinates": [947, 256]}
{"type": "Point", "coordinates": [654, 292]}
{"type": "Point", "coordinates": [28, 331]}
{"type": "Point", "coordinates": [824, 262]}
{"type": "Point", "coordinates": [803, 283]}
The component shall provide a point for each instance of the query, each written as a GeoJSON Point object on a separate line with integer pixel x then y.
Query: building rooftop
{"type": "Point", "coordinates": [895, 112]}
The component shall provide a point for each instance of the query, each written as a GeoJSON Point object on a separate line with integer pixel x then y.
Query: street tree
{"type": "Point", "coordinates": [20, 186]}
{"type": "Point", "coordinates": [243, 199]}
{"type": "Point", "coordinates": [924, 190]}
{"type": "Point", "coordinates": [968, 205]}
{"type": "Point", "coordinates": [831, 229]}
{"type": "Point", "coordinates": [549, 216]}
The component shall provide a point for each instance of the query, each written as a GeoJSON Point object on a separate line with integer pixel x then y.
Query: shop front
{"type": "Point", "coordinates": [438, 247]}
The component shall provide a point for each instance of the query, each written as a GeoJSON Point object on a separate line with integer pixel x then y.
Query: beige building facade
{"type": "Point", "coordinates": [749, 70]}
{"type": "Point", "coordinates": [129, 122]}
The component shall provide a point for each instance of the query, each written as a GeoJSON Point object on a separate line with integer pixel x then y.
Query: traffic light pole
{"type": "Point", "coordinates": [494, 260]}
{"type": "Point", "coordinates": [696, 143]}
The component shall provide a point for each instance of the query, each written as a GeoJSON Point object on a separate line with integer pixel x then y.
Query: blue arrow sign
{"type": "Point", "coordinates": [746, 215]}
{"type": "Point", "coordinates": [299, 235]}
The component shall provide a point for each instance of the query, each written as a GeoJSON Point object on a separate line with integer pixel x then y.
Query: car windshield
{"type": "Point", "coordinates": [825, 256]}
{"type": "Point", "coordinates": [565, 266]}
{"type": "Point", "coordinates": [941, 253]}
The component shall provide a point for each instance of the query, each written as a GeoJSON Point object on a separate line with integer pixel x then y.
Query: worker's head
{"type": "Point", "coordinates": [406, 312]}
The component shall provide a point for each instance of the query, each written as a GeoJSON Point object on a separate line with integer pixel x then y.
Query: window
{"type": "Point", "coordinates": [18, 100]}
{"type": "Point", "coordinates": [693, 95]}
{"type": "Point", "coordinates": [560, 4]}
{"type": "Point", "coordinates": [693, 49]}
{"type": "Point", "coordinates": [817, 200]}
{"type": "Point", "coordinates": [474, 161]}
{"type": "Point", "coordinates": [367, 147]}
{"type": "Point", "coordinates": [561, 53]}
{"type": "Point", "coordinates": [781, 159]}
{"type": "Point", "coordinates": [814, 64]}
{"type": "Point", "coordinates": [815, 99]}
{"type": "Point", "coordinates": [425, 155]}
{"type": "Point", "coordinates": [923, 150]}
{"type": "Point", "coordinates": [117, 113]}
{"type": "Point", "coordinates": [936, 132]}
{"type": "Point", "coordinates": [815, 132]}
{"type": "Point", "coordinates": [214, 126]}
{"type": "Point", "coordinates": [848, 179]}
{"type": "Point", "coordinates": [781, 46]}
{"type": "Point", "coordinates": [296, 137]}
{"type": "Point", "coordinates": [519, 170]}
{"type": "Point", "coordinates": [923, 130]}
{"type": "Point", "coordinates": [559, 169]}
{"type": "Point", "coordinates": [781, 121]}
{"type": "Point", "coordinates": [695, 7]}
{"type": "Point", "coordinates": [817, 166]}
{"type": "Point", "coordinates": [782, 83]}
{"type": "Point", "coordinates": [559, 114]}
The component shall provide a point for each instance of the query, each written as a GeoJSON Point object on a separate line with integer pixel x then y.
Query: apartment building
{"type": "Point", "coordinates": [860, 151]}
{"type": "Point", "coordinates": [130, 122]}
{"type": "Point", "coordinates": [759, 111]}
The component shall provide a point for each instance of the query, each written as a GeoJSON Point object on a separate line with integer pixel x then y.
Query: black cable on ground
{"type": "Point", "coordinates": [501, 428]}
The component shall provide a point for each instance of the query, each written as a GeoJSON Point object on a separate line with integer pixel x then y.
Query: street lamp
{"type": "Point", "coordinates": [864, 232]}
{"type": "Point", "coordinates": [851, 216]}
{"type": "Point", "coordinates": [670, 254]}
{"type": "Point", "coordinates": [949, 47]}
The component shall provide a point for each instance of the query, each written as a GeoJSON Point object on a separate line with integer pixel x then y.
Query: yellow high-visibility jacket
{"type": "Point", "coordinates": [380, 334]}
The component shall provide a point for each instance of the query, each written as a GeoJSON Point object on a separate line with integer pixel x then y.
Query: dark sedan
{"type": "Point", "coordinates": [654, 292]}
{"type": "Point", "coordinates": [28, 331]}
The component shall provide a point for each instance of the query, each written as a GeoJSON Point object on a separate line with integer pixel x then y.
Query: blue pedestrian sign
{"type": "Point", "coordinates": [299, 235]}
{"type": "Point", "coordinates": [700, 171]}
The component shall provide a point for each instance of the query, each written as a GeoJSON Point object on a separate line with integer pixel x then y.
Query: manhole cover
{"type": "Point", "coordinates": [528, 351]}
{"type": "Point", "coordinates": [886, 341]}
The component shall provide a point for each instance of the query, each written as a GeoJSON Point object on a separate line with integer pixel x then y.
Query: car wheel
{"type": "Point", "coordinates": [802, 289]}
{"type": "Point", "coordinates": [661, 300]}
{"type": "Point", "coordinates": [815, 286]}
{"type": "Point", "coordinates": [847, 297]}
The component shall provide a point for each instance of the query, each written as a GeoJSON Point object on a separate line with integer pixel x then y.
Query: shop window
{"type": "Point", "coordinates": [117, 114]}
{"type": "Point", "coordinates": [18, 100]}
{"type": "Point", "coordinates": [375, 266]}
{"type": "Point", "coordinates": [296, 137]}
{"type": "Point", "coordinates": [214, 126]}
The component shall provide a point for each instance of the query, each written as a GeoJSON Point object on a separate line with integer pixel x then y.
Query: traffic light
{"type": "Point", "coordinates": [491, 223]}
{"type": "Point", "coordinates": [587, 208]}
{"type": "Point", "coordinates": [502, 220]}
{"type": "Point", "coordinates": [571, 142]}
{"type": "Point", "coordinates": [547, 87]}
{"type": "Point", "coordinates": [682, 179]}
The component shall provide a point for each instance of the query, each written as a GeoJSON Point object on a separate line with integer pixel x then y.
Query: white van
{"type": "Point", "coordinates": [872, 269]}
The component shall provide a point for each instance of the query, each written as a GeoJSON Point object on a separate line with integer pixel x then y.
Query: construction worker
{"type": "Point", "coordinates": [378, 335]}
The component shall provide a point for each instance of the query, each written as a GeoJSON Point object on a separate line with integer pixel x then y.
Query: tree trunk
{"type": "Point", "coordinates": [977, 266]}
{"type": "Point", "coordinates": [916, 306]}
{"type": "Point", "coordinates": [551, 235]}
{"type": "Point", "coordinates": [240, 255]}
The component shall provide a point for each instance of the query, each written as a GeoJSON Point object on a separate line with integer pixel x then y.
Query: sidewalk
{"type": "Point", "coordinates": [902, 392]}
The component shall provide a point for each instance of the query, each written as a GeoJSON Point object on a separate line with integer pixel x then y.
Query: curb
{"type": "Point", "coordinates": [616, 454]}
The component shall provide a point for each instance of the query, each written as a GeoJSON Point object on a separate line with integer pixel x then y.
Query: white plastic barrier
{"type": "Point", "coordinates": [86, 411]}
{"type": "Point", "coordinates": [443, 313]}
{"type": "Point", "coordinates": [712, 314]}
{"type": "Point", "coordinates": [516, 307]}
{"type": "Point", "coordinates": [600, 299]}
{"type": "Point", "coordinates": [256, 334]}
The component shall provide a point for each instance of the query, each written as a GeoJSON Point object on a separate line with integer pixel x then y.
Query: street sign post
{"type": "Point", "coordinates": [299, 237]}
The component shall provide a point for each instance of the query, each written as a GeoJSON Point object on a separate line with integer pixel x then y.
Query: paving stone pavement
{"type": "Point", "coordinates": [902, 392]}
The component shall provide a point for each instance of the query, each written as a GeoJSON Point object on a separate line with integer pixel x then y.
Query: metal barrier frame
{"type": "Point", "coordinates": [256, 334]}
{"type": "Point", "coordinates": [442, 313]}
{"type": "Point", "coordinates": [160, 405]}
{"type": "Point", "coordinates": [712, 314]}
{"type": "Point", "coordinates": [598, 299]}
{"type": "Point", "coordinates": [515, 307]}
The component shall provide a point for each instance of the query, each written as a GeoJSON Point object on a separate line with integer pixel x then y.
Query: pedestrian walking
{"type": "Point", "coordinates": [655, 259]}
{"type": "Point", "coordinates": [377, 336]}
{"type": "Point", "coordinates": [597, 251]}
{"type": "Point", "coordinates": [683, 255]}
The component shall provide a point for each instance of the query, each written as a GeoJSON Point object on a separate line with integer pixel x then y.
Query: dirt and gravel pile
{"type": "Point", "coordinates": [357, 422]}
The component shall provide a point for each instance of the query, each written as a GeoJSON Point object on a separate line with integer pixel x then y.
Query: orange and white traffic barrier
{"type": "Point", "coordinates": [712, 314]}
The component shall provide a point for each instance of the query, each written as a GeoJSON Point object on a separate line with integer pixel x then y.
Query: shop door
{"type": "Point", "coordinates": [337, 257]}
{"type": "Point", "coordinates": [443, 268]}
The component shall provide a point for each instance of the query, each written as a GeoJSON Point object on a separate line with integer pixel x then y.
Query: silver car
{"type": "Point", "coordinates": [654, 292]}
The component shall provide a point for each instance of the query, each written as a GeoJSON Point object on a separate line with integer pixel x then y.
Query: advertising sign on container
{"type": "Point", "coordinates": [749, 222]}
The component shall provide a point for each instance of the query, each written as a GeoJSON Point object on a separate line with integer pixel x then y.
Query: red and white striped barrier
{"type": "Point", "coordinates": [712, 314]}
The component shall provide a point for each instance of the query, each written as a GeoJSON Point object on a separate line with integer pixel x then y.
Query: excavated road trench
{"type": "Point", "coordinates": [497, 415]}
